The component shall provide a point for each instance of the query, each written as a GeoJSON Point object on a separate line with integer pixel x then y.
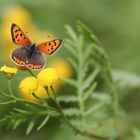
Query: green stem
{"type": "Point", "coordinates": [7, 102]}
{"type": "Point", "coordinates": [36, 96]}
{"type": "Point", "coordinates": [4, 94]}
{"type": "Point", "coordinates": [39, 98]}
{"type": "Point", "coordinates": [20, 99]}
{"type": "Point", "coordinates": [32, 74]}
{"type": "Point", "coordinates": [10, 88]}
{"type": "Point", "coordinates": [55, 97]}
{"type": "Point", "coordinates": [80, 83]}
{"type": "Point", "coordinates": [83, 133]}
{"type": "Point", "coordinates": [28, 101]}
{"type": "Point", "coordinates": [48, 93]}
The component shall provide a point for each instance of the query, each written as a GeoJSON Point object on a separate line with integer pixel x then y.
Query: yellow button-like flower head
{"type": "Point", "coordinates": [41, 92]}
{"type": "Point", "coordinates": [9, 71]}
{"type": "Point", "coordinates": [28, 85]}
{"type": "Point", "coordinates": [63, 69]}
{"type": "Point", "coordinates": [47, 77]}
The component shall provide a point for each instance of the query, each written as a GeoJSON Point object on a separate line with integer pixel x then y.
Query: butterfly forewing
{"type": "Point", "coordinates": [49, 47]}
{"type": "Point", "coordinates": [18, 36]}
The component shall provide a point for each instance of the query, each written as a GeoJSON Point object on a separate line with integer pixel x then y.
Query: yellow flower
{"type": "Point", "coordinates": [47, 77]}
{"type": "Point", "coordinates": [9, 71]}
{"type": "Point", "coordinates": [41, 92]}
{"type": "Point", "coordinates": [63, 69]}
{"type": "Point", "coordinates": [28, 85]}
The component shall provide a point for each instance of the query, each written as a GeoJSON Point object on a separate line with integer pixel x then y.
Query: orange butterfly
{"type": "Point", "coordinates": [31, 55]}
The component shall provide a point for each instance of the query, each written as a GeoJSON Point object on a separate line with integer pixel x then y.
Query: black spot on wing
{"type": "Point", "coordinates": [16, 31]}
{"type": "Point", "coordinates": [54, 43]}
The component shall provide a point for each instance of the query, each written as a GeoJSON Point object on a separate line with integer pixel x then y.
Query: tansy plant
{"type": "Point", "coordinates": [91, 109]}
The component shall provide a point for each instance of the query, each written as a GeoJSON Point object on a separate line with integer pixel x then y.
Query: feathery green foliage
{"type": "Point", "coordinates": [92, 75]}
{"type": "Point", "coordinates": [92, 106]}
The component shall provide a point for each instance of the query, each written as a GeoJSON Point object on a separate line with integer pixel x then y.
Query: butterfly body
{"type": "Point", "coordinates": [32, 51]}
{"type": "Point", "coordinates": [31, 55]}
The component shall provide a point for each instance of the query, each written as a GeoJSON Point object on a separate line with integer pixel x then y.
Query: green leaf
{"type": "Point", "coordinates": [83, 29]}
{"type": "Point", "coordinates": [68, 98]}
{"type": "Point", "coordinates": [71, 33]}
{"type": "Point", "coordinates": [69, 81]}
{"type": "Point", "coordinates": [73, 63]}
{"type": "Point", "coordinates": [71, 112]}
{"type": "Point", "coordinates": [87, 52]}
{"type": "Point", "coordinates": [43, 122]}
{"type": "Point", "coordinates": [94, 108]}
{"type": "Point", "coordinates": [30, 127]}
{"type": "Point", "coordinates": [88, 93]}
{"type": "Point", "coordinates": [101, 96]}
{"type": "Point", "coordinates": [7, 102]}
{"type": "Point", "coordinates": [17, 123]}
{"type": "Point", "coordinates": [76, 122]}
{"type": "Point", "coordinates": [90, 79]}
{"type": "Point", "coordinates": [124, 79]}
{"type": "Point", "coordinates": [71, 50]}
{"type": "Point", "coordinates": [80, 41]}
{"type": "Point", "coordinates": [21, 110]}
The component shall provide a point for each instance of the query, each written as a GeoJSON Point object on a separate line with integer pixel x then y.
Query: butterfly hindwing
{"type": "Point", "coordinates": [49, 47]}
{"type": "Point", "coordinates": [37, 61]}
{"type": "Point", "coordinates": [18, 36]}
{"type": "Point", "coordinates": [19, 57]}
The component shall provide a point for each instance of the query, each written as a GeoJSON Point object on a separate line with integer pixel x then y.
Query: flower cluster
{"type": "Point", "coordinates": [8, 71]}
{"type": "Point", "coordinates": [47, 77]}
{"type": "Point", "coordinates": [36, 85]}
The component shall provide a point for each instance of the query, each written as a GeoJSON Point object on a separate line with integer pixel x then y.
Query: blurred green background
{"type": "Point", "coordinates": [116, 23]}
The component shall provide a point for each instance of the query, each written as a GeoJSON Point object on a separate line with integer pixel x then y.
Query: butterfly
{"type": "Point", "coordinates": [29, 54]}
